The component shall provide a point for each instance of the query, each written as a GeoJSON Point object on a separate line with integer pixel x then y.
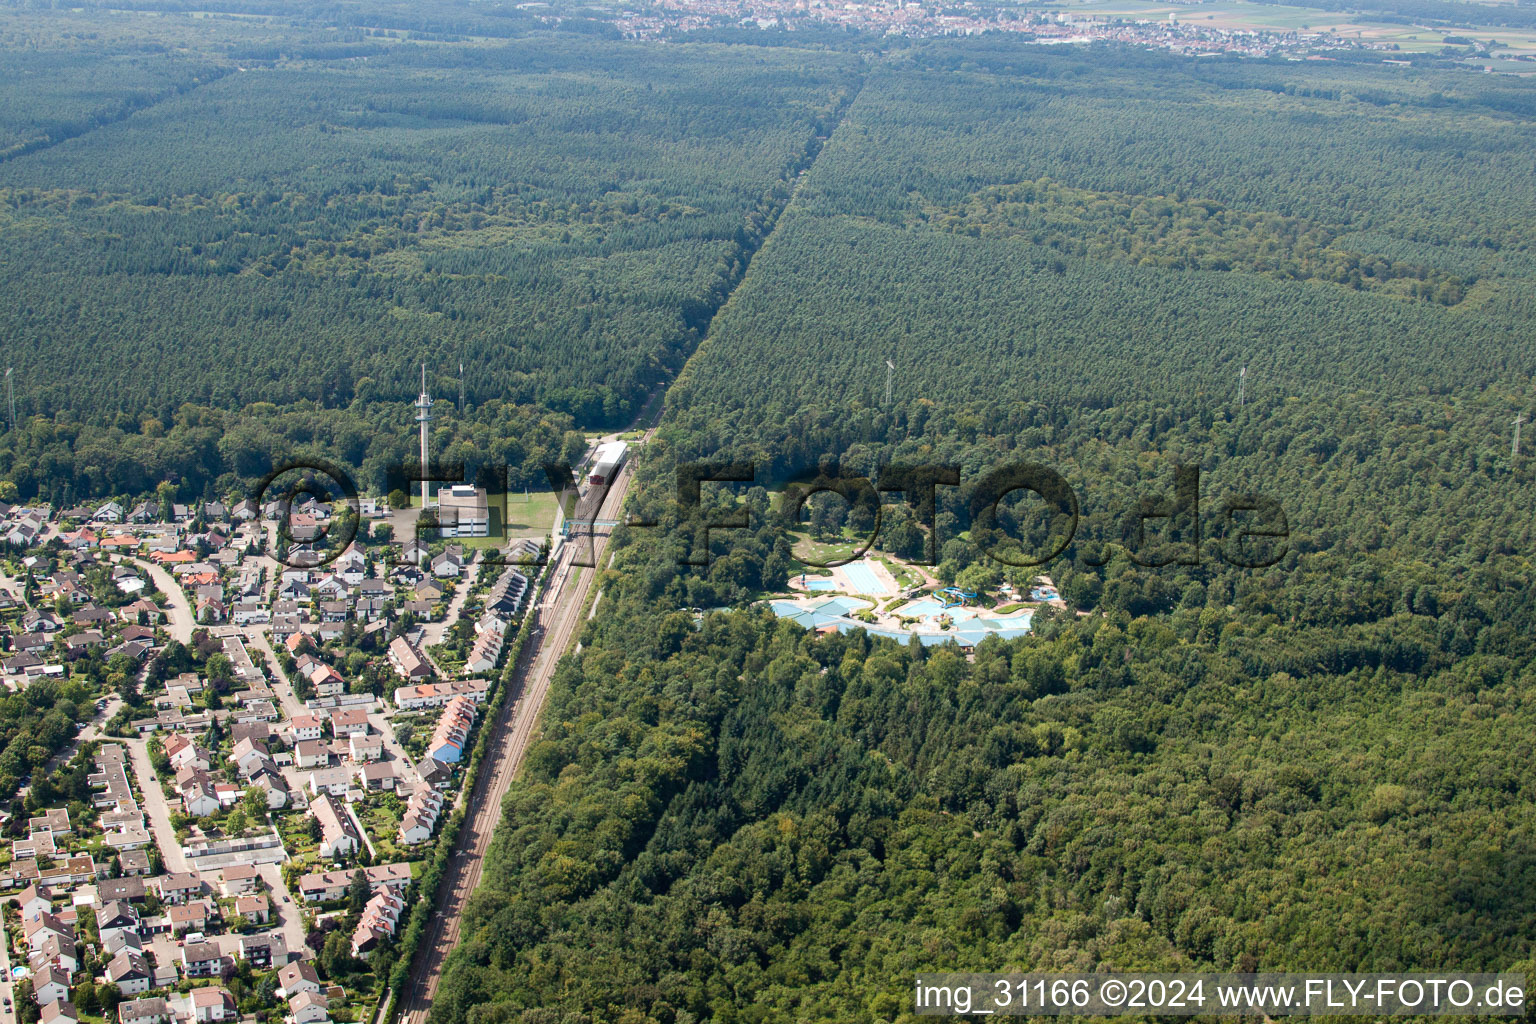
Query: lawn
{"type": "Point", "coordinates": [527, 515]}
{"type": "Point", "coordinates": [822, 552]}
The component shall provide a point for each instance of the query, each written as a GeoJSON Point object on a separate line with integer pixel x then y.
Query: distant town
{"type": "Point", "coordinates": [914, 18]}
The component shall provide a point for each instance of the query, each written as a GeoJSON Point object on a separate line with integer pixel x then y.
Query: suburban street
{"type": "Point", "coordinates": [177, 610]}
{"type": "Point", "coordinates": [156, 807]}
{"type": "Point", "coordinates": [432, 633]}
{"type": "Point", "coordinates": [281, 684]}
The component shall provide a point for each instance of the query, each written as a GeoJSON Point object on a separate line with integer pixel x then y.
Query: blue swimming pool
{"type": "Point", "coordinates": [820, 585]}
{"type": "Point", "coordinates": [863, 578]}
{"type": "Point", "coordinates": [922, 607]}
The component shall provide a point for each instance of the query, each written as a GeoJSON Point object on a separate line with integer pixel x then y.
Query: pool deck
{"type": "Point", "coordinates": [846, 583]}
{"type": "Point", "coordinates": [842, 583]}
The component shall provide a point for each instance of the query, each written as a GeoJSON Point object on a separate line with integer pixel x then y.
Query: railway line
{"type": "Point", "coordinates": [558, 621]}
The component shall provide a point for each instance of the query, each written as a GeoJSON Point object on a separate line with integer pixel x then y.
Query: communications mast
{"type": "Point", "coordinates": [424, 416]}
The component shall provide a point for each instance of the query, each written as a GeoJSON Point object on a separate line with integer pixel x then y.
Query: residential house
{"type": "Point", "coordinates": [115, 916]}
{"type": "Point", "coordinates": [448, 565]}
{"type": "Point", "coordinates": [151, 1010]}
{"type": "Point", "coordinates": [297, 978]}
{"type": "Point", "coordinates": [434, 773]}
{"type": "Point", "coordinates": [378, 776]}
{"type": "Point", "coordinates": [200, 795]}
{"type": "Point", "coordinates": [332, 781]}
{"type": "Point", "coordinates": [262, 951]}
{"type": "Point", "coordinates": [134, 863]}
{"type": "Point", "coordinates": [363, 748]}
{"type": "Point", "coordinates": [33, 901]}
{"type": "Point", "coordinates": [349, 722]}
{"type": "Point", "coordinates": [276, 788]}
{"type": "Point", "coordinates": [49, 985]}
{"type": "Point", "coordinates": [201, 960]}
{"type": "Point", "coordinates": [59, 953]}
{"type": "Point", "coordinates": [183, 753]}
{"type": "Point", "coordinates": [131, 973]}
{"type": "Point", "coordinates": [61, 1012]}
{"type": "Point", "coordinates": [211, 1005]}
{"type": "Point", "coordinates": [130, 889]}
{"type": "Point", "coordinates": [255, 908]}
{"type": "Point", "coordinates": [308, 1008]}
{"type": "Point", "coordinates": [238, 879]}
{"type": "Point", "coordinates": [188, 917]}
{"type": "Point", "coordinates": [179, 887]}
{"type": "Point", "coordinates": [45, 925]}
{"type": "Point", "coordinates": [338, 835]}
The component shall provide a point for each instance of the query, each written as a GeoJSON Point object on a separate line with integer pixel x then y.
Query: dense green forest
{"type": "Point", "coordinates": [1318, 764]}
{"type": "Point", "coordinates": [206, 452]}
{"type": "Point", "coordinates": [222, 249]}
{"type": "Point", "coordinates": [564, 227]}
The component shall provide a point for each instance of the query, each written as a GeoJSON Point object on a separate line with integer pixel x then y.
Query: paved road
{"type": "Point", "coordinates": [7, 991]}
{"type": "Point", "coordinates": [286, 917]}
{"type": "Point", "coordinates": [433, 632]}
{"type": "Point", "coordinates": [177, 609]}
{"type": "Point", "coordinates": [283, 687]}
{"type": "Point", "coordinates": [156, 807]}
{"type": "Point", "coordinates": [559, 619]}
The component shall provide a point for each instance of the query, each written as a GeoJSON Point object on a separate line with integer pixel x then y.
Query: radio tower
{"type": "Point", "coordinates": [10, 388]}
{"type": "Point", "coordinates": [1514, 445]}
{"type": "Point", "coordinates": [461, 389]}
{"type": "Point", "coordinates": [890, 371]}
{"type": "Point", "coordinates": [424, 416]}
{"type": "Point", "coordinates": [1242, 380]}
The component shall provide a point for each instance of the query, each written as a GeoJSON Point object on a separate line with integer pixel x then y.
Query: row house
{"type": "Point", "coordinates": [421, 814]}
{"type": "Point", "coordinates": [380, 919]}
{"type": "Point", "coordinates": [329, 886]}
{"type": "Point", "coordinates": [435, 695]}
{"type": "Point", "coordinates": [408, 662]}
{"type": "Point", "coordinates": [339, 837]}
{"type": "Point", "coordinates": [451, 737]}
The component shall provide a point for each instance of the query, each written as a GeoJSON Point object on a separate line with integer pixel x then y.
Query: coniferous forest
{"type": "Point", "coordinates": [227, 247]}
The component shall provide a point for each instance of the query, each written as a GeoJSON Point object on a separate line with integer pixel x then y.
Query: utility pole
{"type": "Point", "coordinates": [1242, 381]}
{"type": "Point", "coordinates": [1514, 445]}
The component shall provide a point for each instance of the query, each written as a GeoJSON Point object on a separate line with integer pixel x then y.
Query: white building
{"type": "Point", "coordinates": [462, 511]}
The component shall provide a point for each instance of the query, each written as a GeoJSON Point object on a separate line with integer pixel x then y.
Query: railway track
{"type": "Point", "coordinates": [559, 620]}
